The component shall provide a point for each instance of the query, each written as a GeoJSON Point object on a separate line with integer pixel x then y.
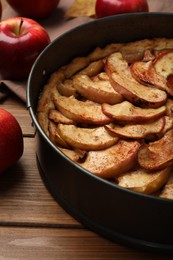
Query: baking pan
{"type": "Point", "coordinates": [124, 216]}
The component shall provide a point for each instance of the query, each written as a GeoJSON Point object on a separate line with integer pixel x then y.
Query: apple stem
{"type": "Point", "coordinates": [20, 27]}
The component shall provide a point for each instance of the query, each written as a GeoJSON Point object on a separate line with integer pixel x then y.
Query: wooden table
{"type": "Point", "coordinates": [32, 224]}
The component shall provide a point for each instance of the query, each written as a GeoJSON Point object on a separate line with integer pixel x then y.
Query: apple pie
{"type": "Point", "coordinates": [111, 112]}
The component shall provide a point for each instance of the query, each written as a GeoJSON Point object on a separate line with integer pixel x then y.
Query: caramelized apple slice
{"type": "Point", "coordinates": [125, 111]}
{"type": "Point", "coordinates": [112, 161]}
{"type": "Point", "coordinates": [157, 155]}
{"type": "Point", "coordinates": [145, 72]}
{"type": "Point", "coordinates": [143, 181]}
{"type": "Point", "coordinates": [164, 63]}
{"type": "Point", "coordinates": [82, 112]}
{"type": "Point", "coordinates": [97, 91]}
{"type": "Point", "coordinates": [138, 131]}
{"type": "Point", "coordinates": [86, 138]}
{"type": "Point", "coordinates": [125, 84]}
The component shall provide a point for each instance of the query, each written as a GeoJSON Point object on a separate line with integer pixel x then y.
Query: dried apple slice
{"type": "Point", "coordinates": [82, 112]}
{"type": "Point", "coordinates": [138, 131]}
{"type": "Point", "coordinates": [126, 111]}
{"type": "Point", "coordinates": [96, 138]}
{"type": "Point", "coordinates": [97, 91]}
{"type": "Point", "coordinates": [143, 181]}
{"type": "Point", "coordinates": [125, 84]}
{"type": "Point", "coordinates": [157, 155]}
{"type": "Point", "coordinates": [112, 161]}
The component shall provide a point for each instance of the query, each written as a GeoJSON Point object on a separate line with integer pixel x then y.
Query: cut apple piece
{"type": "Point", "coordinates": [86, 138]}
{"type": "Point", "coordinates": [112, 161]}
{"type": "Point", "coordinates": [82, 112]}
{"type": "Point", "coordinates": [145, 72]}
{"type": "Point", "coordinates": [167, 191]}
{"type": "Point", "coordinates": [93, 68]}
{"type": "Point", "coordinates": [55, 137]}
{"type": "Point", "coordinates": [125, 111]}
{"type": "Point", "coordinates": [164, 63]}
{"type": "Point", "coordinates": [169, 107]}
{"type": "Point", "coordinates": [74, 155]}
{"type": "Point", "coordinates": [143, 181]}
{"type": "Point", "coordinates": [124, 83]}
{"type": "Point", "coordinates": [157, 155]}
{"type": "Point", "coordinates": [97, 91]}
{"type": "Point", "coordinates": [66, 88]}
{"type": "Point", "coordinates": [138, 131]}
{"type": "Point", "coordinates": [58, 117]}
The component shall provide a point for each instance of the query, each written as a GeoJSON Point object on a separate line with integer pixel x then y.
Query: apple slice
{"type": "Point", "coordinates": [74, 155]}
{"type": "Point", "coordinates": [97, 91]}
{"type": "Point", "coordinates": [55, 137]}
{"type": "Point", "coordinates": [66, 88]}
{"type": "Point", "coordinates": [143, 181]}
{"type": "Point", "coordinates": [169, 107]}
{"type": "Point", "coordinates": [58, 117]}
{"type": "Point", "coordinates": [157, 155]}
{"type": "Point", "coordinates": [138, 131]}
{"type": "Point", "coordinates": [112, 161]}
{"type": "Point", "coordinates": [81, 112]}
{"type": "Point", "coordinates": [125, 84]}
{"type": "Point", "coordinates": [125, 111]}
{"type": "Point", "coordinates": [86, 138]}
{"type": "Point", "coordinates": [145, 72]}
{"type": "Point", "coordinates": [93, 68]}
{"type": "Point", "coordinates": [164, 63]}
{"type": "Point", "coordinates": [167, 191]}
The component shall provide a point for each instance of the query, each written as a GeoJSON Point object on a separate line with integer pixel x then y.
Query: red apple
{"type": "Point", "coordinates": [21, 41]}
{"type": "Point", "coordinates": [112, 7]}
{"type": "Point", "coordinates": [11, 140]}
{"type": "Point", "coordinates": [36, 9]}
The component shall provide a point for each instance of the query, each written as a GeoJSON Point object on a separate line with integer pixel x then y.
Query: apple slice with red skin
{"type": "Point", "coordinates": [97, 91]}
{"type": "Point", "coordinates": [21, 41]}
{"type": "Point", "coordinates": [87, 112]}
{"type": "Point", "coordinates": [97, 138]}
{"type": "Point", "coordinates": [138, 131]}
{"type": "Point", "coordinates": [164, 63]}
{"type": "Point", "coordinates": [112, 161]}
{"type": "Point", "coordinates": [145, 72]}
{"type": "Point", "coordinates": [124, 83]}
{"type": "Point", "coordinates": [126, 111]}
{"type": "Point", "coordinates": [144, 181]}
{"type": "Point", "coordinates": [157, 155]}
{"type": "Point", "coordinates": [11, 140]}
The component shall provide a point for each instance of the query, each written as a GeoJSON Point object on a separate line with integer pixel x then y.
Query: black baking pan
{"type": "Point", "coordinates": [124, 216]}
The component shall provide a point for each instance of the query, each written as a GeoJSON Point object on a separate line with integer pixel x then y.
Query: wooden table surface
{"type": "Point", "coordinates": [32, 224]}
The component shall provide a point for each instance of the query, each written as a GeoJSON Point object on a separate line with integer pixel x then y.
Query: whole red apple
{"type": "Point", "coordinates": [21, 41]}
{"type": "Point", "coordinates": [11, 140]}
{"type": "Point", "coordinates": [111, 7]}
{"type": "Point", "coordinates": [35, 9]}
